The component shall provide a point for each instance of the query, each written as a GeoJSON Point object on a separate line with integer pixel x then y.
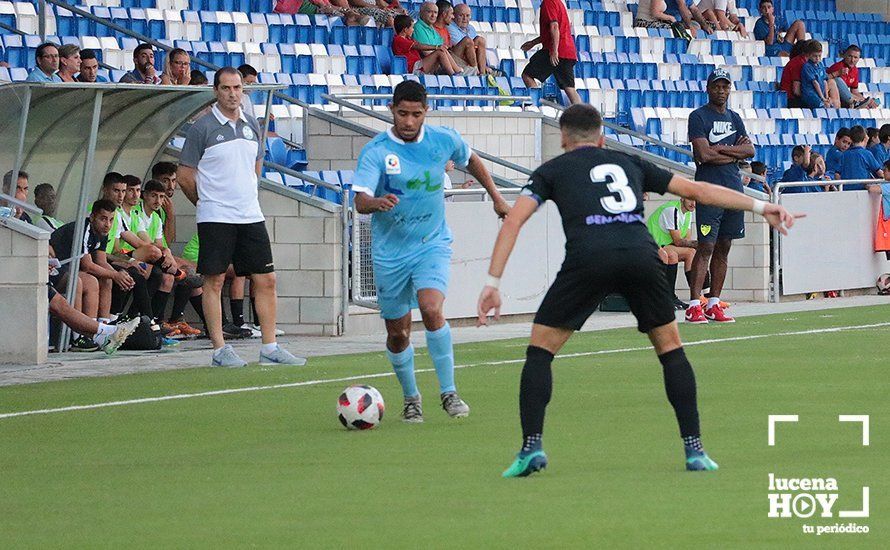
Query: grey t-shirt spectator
{"type": "Point", "coordinates": [224, 154]}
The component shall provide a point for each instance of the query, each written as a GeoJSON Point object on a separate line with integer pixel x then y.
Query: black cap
{"type": "Point", "coordinates": [719, 74]}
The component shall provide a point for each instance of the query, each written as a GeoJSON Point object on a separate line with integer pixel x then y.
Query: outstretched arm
{"type": "Point", "coordinates": [490, 299]}
{"type": "Point", "coordinates": [478, 170]}
{"type": "Point", "coordinates": [705, 193]}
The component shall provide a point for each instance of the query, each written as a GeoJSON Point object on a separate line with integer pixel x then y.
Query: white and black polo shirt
{"type": "Point", "coordinates": [224, 153]}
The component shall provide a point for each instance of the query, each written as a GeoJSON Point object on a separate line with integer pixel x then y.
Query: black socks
{"type": "Point", "coordinates": [679, 383]}
{"type": "Point", "coordinates": [535, 388]}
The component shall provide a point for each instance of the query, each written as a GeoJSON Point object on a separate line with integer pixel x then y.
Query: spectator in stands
{"type": "Point", "coordinates": [381, 11]}
{"type": "Point", "coordinates": [437, 57]}
{"type": "Point", "coordinates": [818, 171]}
{"type": "Point", "coordinates": [846, 75]}
{"type": "Point", "coordinates": [466, 42]}
{"type": "Point", "coordinates": [686, 12]}
{"type": "Point", "coordinates": [799, 171]}
{"type": "Point", "coordinates": [835, 154]}
{"type": "Point", "coordinates": [69, 62]}
{"type": "Point", "coordinates": [722, 15]}
{"type": "Point", "coordinates": [45, 199]}
{"type": "Point", "coordinates": [873, 139]}
{"type": "Point", "coordinates": [881, 149]}
{"type": "Point", "coordinates": [443, 20]}
{"type": "Point", "coordinates": [775, 32]}
{"type": "Point", "coordinates": [144, 71]}
{"type": "Point", "coordinates": [557, 56]}
{"type": "Point", "coordinates": [815, 89]}
{"type": "Point", "coordinates": [758, 168]}
{"type": "Point", "coordinates": [104, 336]}
{"type": "Point", "coordinates": [89, 67]}
{"type": "Point", "coordinates": [20, 193]}
{"type": "Point", "coordinates": [198, 78]}
{"type": "Point", "coordinates": [719, 140]}
{"type": "Point", "coordinates": [424, 30]}
{"type": "Point", "coordinates": [47, 55]}
{"type": "Point", "coordinates": [858, 163]}
{"type": "Point", "coordinates": [177, 68]}
{"type": "Point", "coordinates": [651, 15]}
{"type": "Point", "coordinates": [790, 81]}
{"type": "Point", "coordinates": [249, 75]}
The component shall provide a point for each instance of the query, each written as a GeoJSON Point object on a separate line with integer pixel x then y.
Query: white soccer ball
{"type": "Point", "coordinates": [883, 284]}
{"type": "Point", "coordinates": [360, 407]}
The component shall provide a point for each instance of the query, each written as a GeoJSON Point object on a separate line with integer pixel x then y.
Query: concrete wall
{"type": "Point", "coordinates": [512, 136]}
{"type": "Point", "coordinates": [23, 277]}
{"type": "Point", "coordinates": [866, 6]}
{"type": "Point", "coordinates": [306, 240]}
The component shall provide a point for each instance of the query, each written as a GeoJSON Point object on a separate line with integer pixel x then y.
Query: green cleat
{"type": "Point", "coordinates": [699, 461]}
{"type": "Point", "coordinates": [526, 465]}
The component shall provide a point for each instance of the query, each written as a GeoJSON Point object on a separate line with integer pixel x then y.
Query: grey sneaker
{"type": "Point", "coordinates": [413, 410]}
{"type": "Point", "coordinates": [119, 336]}
{"type": "Point", "coordinates": [226, 357]}
{"type": "Point", "coordinates": [454, 405]}
{"type": "Point", "coordinates": [281, 357]}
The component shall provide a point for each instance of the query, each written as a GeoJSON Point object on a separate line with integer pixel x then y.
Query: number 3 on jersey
{"type": "Point", "coordinates": [627, 200]}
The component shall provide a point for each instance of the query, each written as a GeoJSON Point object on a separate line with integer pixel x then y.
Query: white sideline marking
{"type": "Point", "coordinates": [385, 374]}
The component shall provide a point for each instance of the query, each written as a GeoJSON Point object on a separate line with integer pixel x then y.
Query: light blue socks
{"type": "Point", "coordinates": [403, 364]}
{"type": "Point", "coordinates": [442, 354]}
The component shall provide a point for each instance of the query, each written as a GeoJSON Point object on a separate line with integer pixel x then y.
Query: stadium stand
{"type": "Point", "coordinates": [643, 79]}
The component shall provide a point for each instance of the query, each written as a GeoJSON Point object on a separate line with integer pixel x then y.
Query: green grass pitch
{"type": "Point", "coordinates": [274, 468]}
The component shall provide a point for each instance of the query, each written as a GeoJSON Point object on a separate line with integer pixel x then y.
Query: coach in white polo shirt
{"type": "Point", "coordinates": [218, 171]}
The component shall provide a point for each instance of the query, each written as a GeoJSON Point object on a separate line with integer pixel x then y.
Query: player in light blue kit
{"type": "Point", "coordinates": [399, 179]}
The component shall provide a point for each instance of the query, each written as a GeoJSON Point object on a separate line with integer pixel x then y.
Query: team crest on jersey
{"type": "Point", "coordinates": [393, 165]}
{"type": "Point", "coordinates": [705, 229]}
{"type": "Point", "coordinates": [247, 132]}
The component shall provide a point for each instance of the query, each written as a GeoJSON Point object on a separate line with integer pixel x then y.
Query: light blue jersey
{"type": "Point", "coordinates": [415, 173]}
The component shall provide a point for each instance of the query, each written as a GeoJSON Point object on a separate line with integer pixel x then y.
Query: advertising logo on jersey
{"type": "Point", "coordinates": [393, 165]}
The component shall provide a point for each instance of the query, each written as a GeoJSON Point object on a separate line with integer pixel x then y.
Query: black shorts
{"type": "Point", "coordinates": [714, 223]}
{"type": "Point", "coordinates": [540, 68]}
{"type": "Point", "coordinates": [637, 274]}
{"type": "Point", "coordinates": [245, 246]}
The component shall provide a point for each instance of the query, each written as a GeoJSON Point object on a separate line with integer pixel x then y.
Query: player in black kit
{"type": "Point", "coordinates": [599, 194]}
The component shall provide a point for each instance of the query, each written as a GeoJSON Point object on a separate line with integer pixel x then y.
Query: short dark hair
{"type": "Point", "coordinates": [132, 181]}
{"type": "Point", "coordinates": [222, 71]}
{"type": "Point", "coordinates": [88, 54]}
{"type": "Point", "coordinates": [247, 70]}
{"type": "Point", "coordinates": [154, 185]}
{"type": "Point", "coordinates": [581, 120]}
{"type": "Point", "coordinates": [7, 179]}
{"type": "Point", "coordinates": [163, 169]}
{"type": "Point", "coordinates": [103, 205]}
{"type": "Point", "coordinates": [198, 78]}
{"type": "Point", "coordinates": [140, 47]}
{"type": "Point", "coordinates": [409, 90]}
{"type": "Point", "coordinates": [884, 134]}
{"type": "Point", "coordinates": [402, 22]}
{"type": "Point", "coordinates": [798, 151]}
{"type": "Point", "coordinates": [443, 5]}
{"type": "Point", "coordinates": [762, 2]}
{"type": "Point", "coordinates": [872, 132]}
{"type": "Point", "coordinates": [858, 134]}
{"type": "Point", "coordinates": [842, 133]}
{"type": "Point", "coordinates": [111, 178]}
{"type": "Point", "coordinates": [758, 168]}
{"type": "Point", "coordinates": [854, 48]}
{"type": "Point", "coordinates": [744, 164]}
{"type": "Point", "coordinates": [42, 189]}
{"type": "Point", "coordinates": [41, 48]}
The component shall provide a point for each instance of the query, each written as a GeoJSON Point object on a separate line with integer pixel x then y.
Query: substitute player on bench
{"type": "Point", "coordinates": [599, 194]}
{"type": "Point", "coordinates": [399, 180]}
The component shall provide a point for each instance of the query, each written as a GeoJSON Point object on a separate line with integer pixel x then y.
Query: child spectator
{"type": "Point", "coordinates": [872, 137]}
{"type": "Point", "coordinates": [817, 170]}
{"type": "Point", "coordinates": [403, 43]}
{"type": "Point", "coordinates": [790, 82]}
{"type": "Point", "coordinates": [800, 156]}
{"type": "Point", "coordinates": [758, 168]}
{"type": "Point", "coordinates": [835, 154]}
{"type": "Point", "coordinates": [846, 75]}
{"type": "Point", "coordinates": [775, 32]}
{"type": "Point", "coordinates": [814, 88]}
{"type": "Point", "coordinates": [881, 150]}
{"type": "Point", "coordinates": [858, 163]}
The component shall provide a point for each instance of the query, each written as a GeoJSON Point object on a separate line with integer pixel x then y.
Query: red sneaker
{"type": "Point", "coordinates": [695, 315]}
{"type": "Point", "coordinates": [715, 313]}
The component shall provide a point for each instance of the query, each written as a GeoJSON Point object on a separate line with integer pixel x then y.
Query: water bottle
{"type": "Point", "coordinates": [7, 211]}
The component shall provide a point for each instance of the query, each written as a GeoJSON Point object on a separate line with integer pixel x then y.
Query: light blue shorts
{"type": "Point", "coordinates": [397, 286]}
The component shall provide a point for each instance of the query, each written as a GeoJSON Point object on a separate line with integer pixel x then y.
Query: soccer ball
{"type": "Point", "coordinates": [883, 284]}
{"type": "Point", "coordinates": [360, 407]}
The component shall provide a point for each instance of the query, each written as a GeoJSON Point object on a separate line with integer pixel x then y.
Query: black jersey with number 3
{"type": "Point", "coordinates": [599, 195]}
